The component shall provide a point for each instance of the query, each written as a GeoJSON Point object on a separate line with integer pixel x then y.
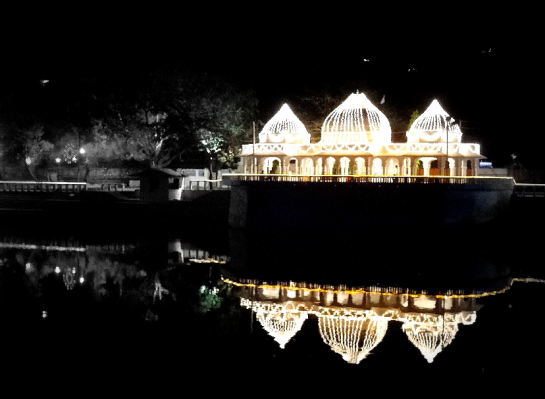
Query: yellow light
{"type": "Point", "coordinates": [353, 291]}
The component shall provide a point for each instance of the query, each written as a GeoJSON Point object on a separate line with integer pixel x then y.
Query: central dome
{"type": "Point", "coordinates": [356, 121]}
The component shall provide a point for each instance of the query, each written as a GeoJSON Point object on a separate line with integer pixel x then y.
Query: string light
{"type": "Point", "coordinates": [284, 127]}
{"type": "Point", "coordinates": [353, 338]}
{"type": "Point", "coordinates": [383, 291]}
{"type": "Point", "coordinates": [357, 128]}
{"type": "Point", "coordinates": [351, 331]}
{"type": "Point", "coordinates": [356, 120]}
{"type": "Point", "coordinates": [432, 125]}
{"type": "Point", "coordinates": [431, 336]}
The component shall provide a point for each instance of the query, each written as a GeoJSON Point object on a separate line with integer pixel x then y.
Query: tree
{"type": "Point", "coordinates": [220, 118]}
{"type": "Point", "coordinates": [165, 116]}
{"type": "Point", "coordinates": [414, 116]}
{"type": "Point", "coordinates": [26, 145]}
{"type": "Point", "coordinates": [313, 106]}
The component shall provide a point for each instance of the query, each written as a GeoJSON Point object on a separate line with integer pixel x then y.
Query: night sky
{"type": "Point", "coordinates": [479, 63]}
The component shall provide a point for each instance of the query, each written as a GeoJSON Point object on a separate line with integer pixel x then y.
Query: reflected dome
{"type": "Point", "coordinates": [282, 323]}
{"type": "Point", "coordinates": [356, 121]}
{"type": "Point", "coordinates": [431, 336]}
{"type": "Point", "coordinates": [352, 337]}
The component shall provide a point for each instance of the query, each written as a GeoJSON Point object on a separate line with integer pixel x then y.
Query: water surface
{"type": "Point", "coordinates": [236, 304]}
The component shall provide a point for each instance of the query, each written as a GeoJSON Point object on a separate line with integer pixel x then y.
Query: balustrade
{"type": "Point", "coordinates": [32, 186]}
{"type": "Point", "coordinates": [369, 179]}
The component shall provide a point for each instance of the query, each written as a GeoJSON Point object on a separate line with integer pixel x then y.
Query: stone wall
{"type": "Point", "coordinates": [399, 208]}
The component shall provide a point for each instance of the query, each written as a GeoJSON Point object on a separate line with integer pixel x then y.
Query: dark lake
{"type": "Point", "coordinates": [192, 303]}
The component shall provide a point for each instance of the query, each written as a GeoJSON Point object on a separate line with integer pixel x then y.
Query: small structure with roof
{"type": "Point", "coordinates": [160, 185]}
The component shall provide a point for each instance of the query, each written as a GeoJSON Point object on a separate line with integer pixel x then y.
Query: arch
{"type": "Point", "coordinates": [268, 165]}
{"type": "Point", "coordinates": [426, 162]}
{"type": "Point", "coordinates": [434, 167]}
{"type": "Point", "coordinates": [293, 166]}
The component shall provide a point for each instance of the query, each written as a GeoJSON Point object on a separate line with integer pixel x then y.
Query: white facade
{"type": "Point", "coordinates": [356, 140]}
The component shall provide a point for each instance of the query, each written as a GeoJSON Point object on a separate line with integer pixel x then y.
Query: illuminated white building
{"type": "Point", "coordinates": [281, 322]}
{"type": "Point", "coordinates": [432, 333]}
{"type": "Point", "coordinates": [357, 140]}
{"type": "Point", "coordinates": [353, 337]}
{"type": "Point", "coordinates": [353, 323]}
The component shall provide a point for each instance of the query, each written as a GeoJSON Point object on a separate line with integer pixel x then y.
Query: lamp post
{"type": "Point", "coordinates": [83, 159]}
{"type": "Point", "coordinates": [58, 161]}
{"type": "Point", "coordinates": [448, 123]}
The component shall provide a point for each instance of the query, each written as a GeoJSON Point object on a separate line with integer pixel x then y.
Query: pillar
{"type": "Point", "coordinates": [285, 165]}
{"type": "Point", "coordinates": [463, 166]}
{"type": "Point", "coordinates": [426, 163]}
{"type": "Point", "coordinates": [442, 166]}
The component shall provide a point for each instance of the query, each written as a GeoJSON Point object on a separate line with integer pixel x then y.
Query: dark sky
{"type": "Point", "coordinates": [476, 62]}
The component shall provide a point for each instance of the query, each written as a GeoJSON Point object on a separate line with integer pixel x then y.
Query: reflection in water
{"type": "Point", "coordinates": [354, 321]}
{"type": "Point", "coordinates": [164, 285]}
{"type": "Point", "coordinates": [353, 337]}
{"type": "Point", "coordinates": [130, 274]}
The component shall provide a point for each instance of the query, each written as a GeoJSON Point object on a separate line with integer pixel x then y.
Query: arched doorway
{"type": "Point", "coordinates": [270, 166]}
{"type": "Point", "coordinates": [434, 168]}
{"type": "Point", "coordinates": [292, 170]}
{"type": "Point", "coordinates": [423, 165]}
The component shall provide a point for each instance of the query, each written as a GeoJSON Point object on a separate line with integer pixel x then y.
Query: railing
{"type": "Point", "coordinates": [529, 190]}
{"type": "Point", "coordinates": [205, 184]}
{"type": "Point", "coordinates": [41, 186]}
{"type": "Point", "coordinates": [371, 179]}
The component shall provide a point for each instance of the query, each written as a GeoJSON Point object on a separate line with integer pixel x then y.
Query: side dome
{"type": "Point", "coordinates": [431, 336]}
{"type": "Point", "coordinates": [284, 127]}
{"type": "Point", "coordinates": [282, 325]}
{"type": "Point", "coordinates": [432, 125]}
{"type": "Point", "coordinates": [356, 121]}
